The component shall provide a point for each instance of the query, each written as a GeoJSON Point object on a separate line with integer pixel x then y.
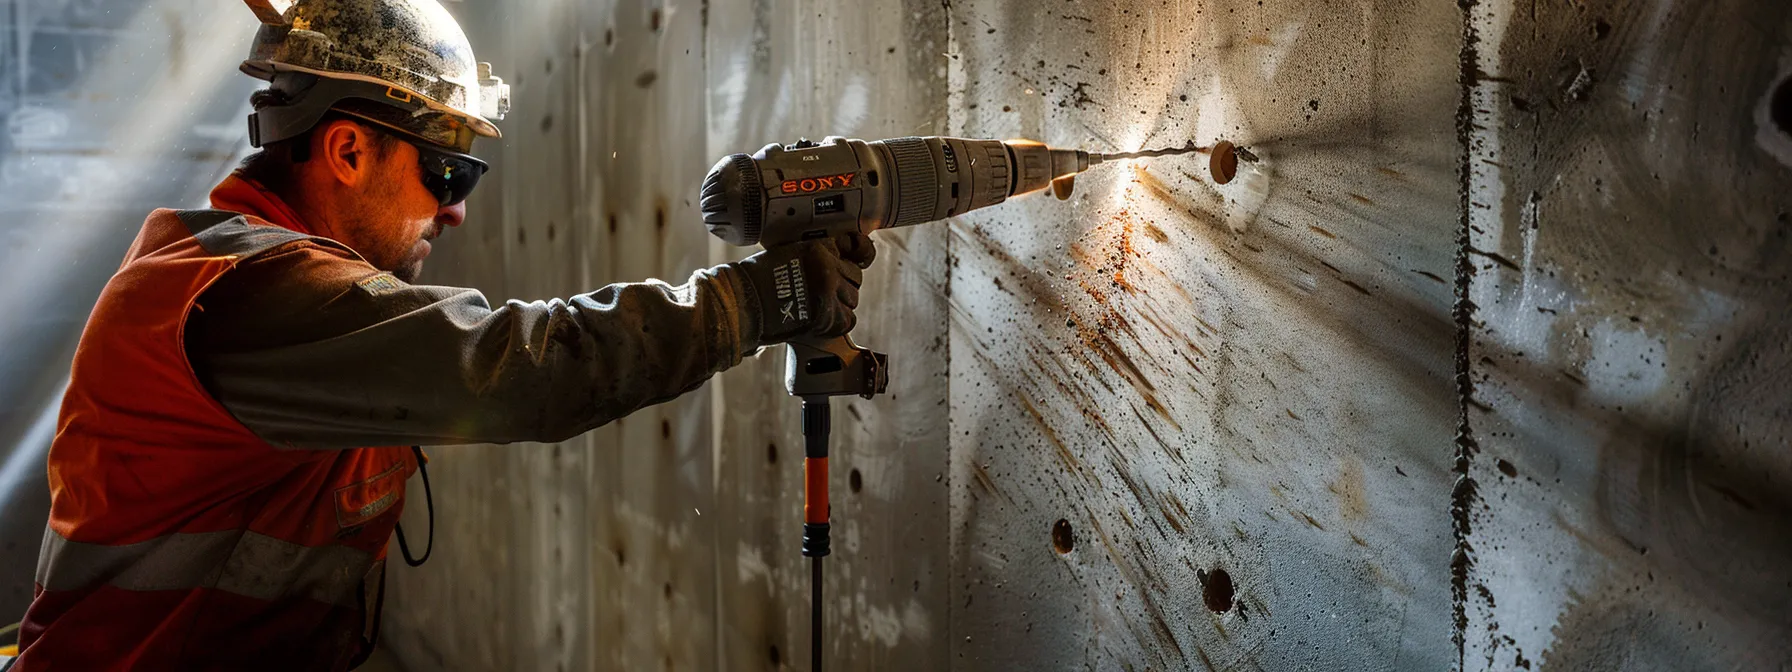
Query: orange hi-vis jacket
{"type": "Point", "coordinates": [178, 539]}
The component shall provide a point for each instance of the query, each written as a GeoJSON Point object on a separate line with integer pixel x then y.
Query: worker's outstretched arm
{"type": "Point", "coordinates": [310, 347]}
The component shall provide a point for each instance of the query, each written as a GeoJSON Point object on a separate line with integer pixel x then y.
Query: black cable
{"type": "Point", "coordinates": [429, 503]}
{"type": "Point", "coordinates": [815, 614]}
{"type": "Point", "coordinates": [816, 542]}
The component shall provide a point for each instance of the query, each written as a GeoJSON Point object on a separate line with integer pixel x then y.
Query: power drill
{"type": "Point", "coordinates": [787, 194]}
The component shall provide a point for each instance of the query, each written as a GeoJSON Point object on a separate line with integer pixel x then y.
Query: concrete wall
{"type": "Point", "coordinates": [1628, 351]}
{"type": "Point", "coordinates": [780, 70]}
{"type": "Point", "coordinates": [595, 553]}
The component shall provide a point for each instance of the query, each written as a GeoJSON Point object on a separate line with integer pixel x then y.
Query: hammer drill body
{"type": "Point", "coordinates": [787, 194]}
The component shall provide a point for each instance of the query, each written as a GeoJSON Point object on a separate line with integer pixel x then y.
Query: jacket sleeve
{"type": "Point", "coordinates": [310, 347]}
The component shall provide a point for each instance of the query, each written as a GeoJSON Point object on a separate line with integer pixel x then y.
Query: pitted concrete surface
{"type": "Point", "coordinates": [1249, 378]}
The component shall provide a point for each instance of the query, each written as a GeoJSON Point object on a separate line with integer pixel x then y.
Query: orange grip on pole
{"type": "Point", "coordinates": [815, 490]}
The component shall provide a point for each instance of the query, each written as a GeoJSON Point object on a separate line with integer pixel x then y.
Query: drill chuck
{"type": "Point", "coordinates": [784, 194]}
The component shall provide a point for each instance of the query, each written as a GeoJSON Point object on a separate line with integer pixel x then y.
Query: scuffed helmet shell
{"type": "Point", "coordinates": [415, 45]}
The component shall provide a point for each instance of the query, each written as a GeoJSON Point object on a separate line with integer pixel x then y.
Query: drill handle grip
{"type": "Point", "coordinates": [833, 367]}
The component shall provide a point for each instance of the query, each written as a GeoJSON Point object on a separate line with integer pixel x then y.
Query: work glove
{"type": "Point", "coordinates": [809, 288]}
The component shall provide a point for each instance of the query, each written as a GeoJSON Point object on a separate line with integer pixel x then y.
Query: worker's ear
{"type": "Point", "coordinates": [347, 150]}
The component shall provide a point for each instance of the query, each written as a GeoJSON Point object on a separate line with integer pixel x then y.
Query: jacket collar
{"type": "Point", "coordinates": [243, 195]}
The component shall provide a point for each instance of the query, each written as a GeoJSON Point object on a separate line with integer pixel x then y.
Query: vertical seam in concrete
{"type": "Point", "coordinates": [718, 386]}
{"type": "Point", "coordinates": [1462, 493]}
{"type": "Point", "coordinates": [950, 575]}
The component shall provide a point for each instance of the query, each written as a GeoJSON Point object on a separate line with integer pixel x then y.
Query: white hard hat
{"type": "Point", "coordinates": [409, 55]}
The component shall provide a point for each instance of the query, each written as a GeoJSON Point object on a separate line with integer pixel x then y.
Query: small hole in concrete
{"type": "Point", "coordinates": [550, 232]}
{"type": "Point", "coordinates": [659, 218]}
{"type": "Point", "coordinates": [854, 480]}
{"type": "Point", "coordinates": [1507, 469]}
{"type": "Point", "coordinates": [777, 658]}
{"type": "Point", "coordinates": [1223, 163]}
{"type": "Point", "coordinates": [521, 235]}
{"type": "Point", "coordinates": [771, 453]}
{"type": "Point", "coordinates": [668, 591]}
{"type": "Point", "coordinates": [1063, 538]}
{"type": "Point", "coordinates": [612, 222]}
{"type": "Point", "coordinates": [654, 18]}
{"type": "Point", "coordinates": [666, 429]}
{"type": "Point", "coordinates": [609, 37]}
{"type": "Point", "coordinates": [1781, 107]}
{"type": "Point", "coordinates": [1216, 590]}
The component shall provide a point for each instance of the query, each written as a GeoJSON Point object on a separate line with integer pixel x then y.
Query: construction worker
{"type": "Point", "coordinates": [233, 447]}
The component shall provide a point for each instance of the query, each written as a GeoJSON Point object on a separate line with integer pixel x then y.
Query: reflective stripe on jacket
{"type": "Point", "coordinates": [178, 539]}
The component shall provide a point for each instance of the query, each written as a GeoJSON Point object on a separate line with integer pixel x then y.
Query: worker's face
{"type": "Point", "coordinates": [400, 216]}
{"type": "Point", "coordinates": [376, 201]}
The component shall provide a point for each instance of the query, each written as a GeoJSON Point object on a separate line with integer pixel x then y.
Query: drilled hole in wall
{"type": "Point", "coordinates": [1216, 590]}
{"type": "Point", "coordinates": [1063, 538]}
{"type": "Point", "coordinates": [655, 19]}
{"type": "Point", "coordinates": [1223, 162]}
{"type": "Point", "coordinates": [666, 429]}
{"type": "Point", "coordinates": [777, 658]}
{"type": "Point", "coordinates": [659, 218]}
{"type": "Point", "coordinates": [771, 453]}
{"type": "Point", "coordinates": [612, 222]}
{"type": "Point", "coordinates": [855, 481]}
{"type": "Point", "coordinates": [1781, 107]}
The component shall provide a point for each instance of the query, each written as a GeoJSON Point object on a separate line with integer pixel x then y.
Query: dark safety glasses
{"type": "Point", "coordinates": [449, 175]}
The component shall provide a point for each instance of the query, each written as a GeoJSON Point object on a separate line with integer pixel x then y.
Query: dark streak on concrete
{"type": "Point", "coordinates": [1497, 258]}
{"type": "Point", "coordinates": [1463, 493]}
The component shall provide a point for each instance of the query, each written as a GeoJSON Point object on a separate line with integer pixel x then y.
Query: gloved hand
{"type": "Point", "coordinates": [810, 288]}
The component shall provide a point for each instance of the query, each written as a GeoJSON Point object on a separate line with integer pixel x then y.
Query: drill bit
{"type": "Point", "coordinates": [1189, 148]}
